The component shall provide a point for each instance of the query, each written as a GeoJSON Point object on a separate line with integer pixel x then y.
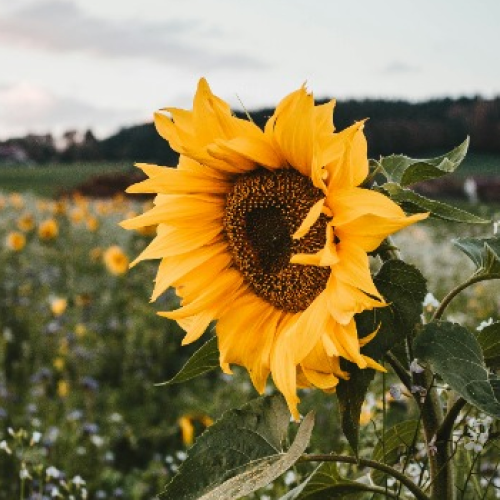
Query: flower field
{"type": "Point", "coordinates": [81, 351]}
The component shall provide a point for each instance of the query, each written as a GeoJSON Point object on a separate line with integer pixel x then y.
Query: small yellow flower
{"type": "Point", "coordinates": [366, 415]}
{"type": "Point", "coordinates": [115, 259]}
{"type": "Point", "coordinates": [15, 241]}
{"type": "Point", "coordinates": [80, 330]}
{"type": "Point", "coordinates": [77, 215]}
{"type": "Point", "coordinates": [58, 306]}
{"type": "Point", "coordinates": [42, 205]}
{"type": "Point", "coordinates": [63, 347]}
{"type": "Point", "coordinates": [48, 230]}
{"type": "Point", "coordinates": [95, 254]}
{"type": "Point", "coordinates": [92, 223]}
{"type": "Point", "coordinates": [62, 388]}
{"type": "Point", "coordinates": [16, 200]}
{"type": "Point", "coordinates": [60, 207]}
{"type": "Point", "coordinates": [26, 223]}
{"type": "Point", "coordinates": [59, 364]}
{"type": "Point", "coordinates": [187, 430]}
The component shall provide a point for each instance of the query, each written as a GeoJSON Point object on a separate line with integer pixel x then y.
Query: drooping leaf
{"type": "Point", "coordinates": [489, 340]}
{"type": "Point", "coordinates": [240, 453]}
{"type": "Point", "coordinates": [404, 289]}
{"type": "Point", "coordinates": [484, 252]}
{"type": "Point", "coordinates": [397, 441]}
{"type": "Point", "coordinates": [325, 483]}
{"type": "Point", "coordinates": [205, 359]}
{"type": "Point", "coordinates": [416, 203]}
{"type": "Point", "coordinates": [351, 395]}
{"type": "Point", "coordinates": [406, 171]}
{"type": "Point", "coordinates": [455, 354]}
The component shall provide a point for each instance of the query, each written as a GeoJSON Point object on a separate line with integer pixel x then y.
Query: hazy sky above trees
{"type": "Point", "coordinates": [106, 63]}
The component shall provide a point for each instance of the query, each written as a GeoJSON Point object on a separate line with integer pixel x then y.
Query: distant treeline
{"type": "Point", "coordinates": [393, 127]}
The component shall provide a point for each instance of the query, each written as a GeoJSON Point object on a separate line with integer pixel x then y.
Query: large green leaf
{"type": "Point", "coordinates": [406, 171]}
{"type": "Point", "coordinates": [205, 359]}
{"type": "Point", "coordinates": [240, 453]}
{"type": "Point", "coordinates": [489, 340]}
{"type": "Point", "coordinates": [484, 252]}
{"type": "Point", "coordinates": [325, 483]}
{"type": "Point", "coordinates": [455, 354]}
{"type": "Point", "coordinates": [416, 203]}
{"type": "Point", "coordinates": [397, 441]}
{"type": "Point", "coordinates": [404, 289]}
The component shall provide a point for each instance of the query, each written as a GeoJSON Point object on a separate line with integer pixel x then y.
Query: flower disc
{"type": "Point", "coordinates": [262, 212]}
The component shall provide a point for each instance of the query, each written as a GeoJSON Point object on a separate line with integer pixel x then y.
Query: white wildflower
{"type": "Point", "coordinates": [52, 472]}
{"type": "Point", "coordinates": [78, 481]}
{"type": "Point", "coordinates": [5, 447]}
{"type": "Point", "coordinates": [484, 324]}
{"type": "Point", "coordinates": [430, 302]}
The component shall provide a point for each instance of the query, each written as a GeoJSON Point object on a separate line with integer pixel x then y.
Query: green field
{"type": "Point", "coordinates": [51, 179]}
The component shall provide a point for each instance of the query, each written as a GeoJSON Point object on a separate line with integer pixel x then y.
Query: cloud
{"type": "Point", "coordinates": [60, 26]}
{"type": "Point", "coordinates": [400, 68]}
{"type": "Point", "coordinates": [26, 107]}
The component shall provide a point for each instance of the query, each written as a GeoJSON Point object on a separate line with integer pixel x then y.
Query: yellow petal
{"type": "Point", "coordinates": [344, 300]}
{"type": "Point", "coordinates": [346, 158]}
{"type": "Point", "coordinates": [223, 287]}
{"type": "Point", "coordinates": [293, 131]}
{"type": "Point", "coordinates": [258, 150]}
{"type": "Point", "coordinates": [172, 269]}
{"type": "Point", "coordinates": [195, 326]}
{"type": "Point", "coordinates": [324, 381]}
{"type": "Point", "coordinates": [246, 334]}
{"type": "Point", "coordinates": [369, 231]}
{"type": "Point", "coordinates": [350, 204]}
{"type": "Point", "coordinates": [171, 180]}
{"type": "Point", "coordinates": [353, 268]}
{"type": "Point", "coordinates": [325, 257]}
{"type": "Point", "coordinates": [310, 219]}
{"type": "Point", "coordinates": [323, 118]}
{"type": "Point", "coordinates": [180, 210]}
{"type": "Point", "coordinates": [347, 336]}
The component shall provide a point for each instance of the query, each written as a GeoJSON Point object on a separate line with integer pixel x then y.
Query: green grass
{"type": "Point", "coordinates": [49, 180]}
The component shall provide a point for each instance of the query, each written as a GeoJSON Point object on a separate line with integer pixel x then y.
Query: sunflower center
{"type": "Point", "coordinates": [263, 211]}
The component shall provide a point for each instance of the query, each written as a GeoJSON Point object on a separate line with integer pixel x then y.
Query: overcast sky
{"type": "Point", "coordinates": [110, 63]}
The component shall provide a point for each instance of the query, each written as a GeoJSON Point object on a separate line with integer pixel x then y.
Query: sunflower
{"type": "Point", "coordinates": [115, 260]}
{"type": "Point", "coordinates": [48, 229]}
{"type": "Point", "coordinates": [268, 232]}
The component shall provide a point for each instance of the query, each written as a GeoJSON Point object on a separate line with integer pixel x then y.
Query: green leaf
{"type": "Point", "coordinates": [404, 289]}
{"type": "Point", "coordinates": [406, 171]}
{"type": "Point", "coordinates": [455, 354]}
{"type": "Point", "coordinates": [484, 252]}
{"type": "Point", "coordinates": [397, 441]}
{"type": "Point", "coordinates": [416, 203]}
{"type": "Point", "coordinates": [351, 395]}
{"type": "Point", "coordinates": [205, 359]}
{"type": "Point", "coordinates": [489, 340]}
{"type": "Point", "coordinates": [325, 483]}
{"type": "Point", "coordinates": [240, 453]}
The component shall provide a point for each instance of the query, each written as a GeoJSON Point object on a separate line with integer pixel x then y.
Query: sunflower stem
{"type": "Point", "coordinates": [417, 492]}
{"type": "Point", "coordinates": [475, 278]}
{"type": "Point", "coordinates": [442, 471]}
